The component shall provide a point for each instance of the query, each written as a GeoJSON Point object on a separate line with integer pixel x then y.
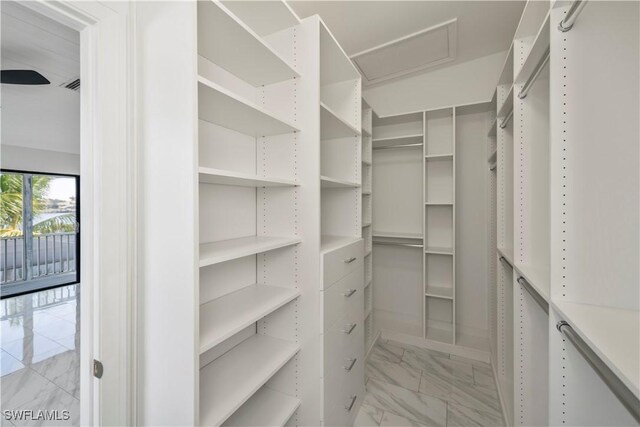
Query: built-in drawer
{"type": "Point", "coordinates": [343, 341]}
{"type": "Point", "coordinates": [344, 406]}
{"type": "Point", "coordinates": [349, 371]}
{"type": "Point", "coordinates": [342, 261]}
{"type": "Point", "coordinates": [343, 297]}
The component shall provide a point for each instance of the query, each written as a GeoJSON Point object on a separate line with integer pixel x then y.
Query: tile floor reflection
{"type": "Point", "coordinates": [40, 344]}
{"type": "Point", "coordinates": [411, 386]}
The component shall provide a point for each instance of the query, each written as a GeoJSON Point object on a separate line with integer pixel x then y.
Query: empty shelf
{"type": "Point", "coordinates": [256, 62]}
{"type": "Point", "coordinates": [438, 156]}
{"type": "Point", "coordinates": [219, 106]}
{"type": "Point", "coordinates": [225, 250]}
{"type": "Point", "coordinates": [398, 140]}
{"type": "Point", "coordinates": [223, 177]}
{"type": "Point", "coordinates": [438, 203]}
{"type": "Point", "coordinates": [230, 380]}
{"type": "Point", "coordinates": [333, 126]}
{"type": "Point", "coordinates": [366, 224]}
{"type": "Point", "coordinates": [328, 182]}
{"type": "Point", "coordinates": [228, 315]}
{"type": "Point", "coordinates": [439, 292]}
{"type": "Point", "coordinates": [612, 333]}
{"type": "Point", "coordinates": [397, 235]}
{"type": "Point", "coordinates": [438, 250]}
{"type": "Point", "coordinates": [507, 253]}
{"type": "Point", "coordinates": [507, 105]}
{"type": "Point", "coordinates": [330, 243]}
{"type": "Point", "coordinates": [537, 277]}
{"type": "Point", "coordinates": [537, 51]}
{"type": "Point", "coordinates": [265, 408]}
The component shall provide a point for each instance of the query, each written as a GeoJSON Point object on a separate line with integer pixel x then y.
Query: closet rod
{"type": "Point", "coordinates": [505, 122]}
{"type": "Point", "coordinates": [534, 76]}
{"type": "Point", "coordinates": [505, 261]}
{"type": "Point", "coordinates": [536, 296]}
{"type": "Point", "coordinates": [619, 389]}
{"type": "Point", "coordinates": [410, 245]}
{"type": "Point", "coordinates": [389, 147]}
{"type": "Point", "coordinates": [570, 18]}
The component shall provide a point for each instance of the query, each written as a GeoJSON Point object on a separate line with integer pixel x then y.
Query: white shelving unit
{"type": "Point", "coordinates": [370, 330]}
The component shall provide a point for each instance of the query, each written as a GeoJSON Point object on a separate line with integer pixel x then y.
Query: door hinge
{"type": "Point", "coordinates": [98, 369]}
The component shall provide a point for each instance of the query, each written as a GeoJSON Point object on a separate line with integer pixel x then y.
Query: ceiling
{"type": "Point", "coordinates": [41, 117]}
{"type": "Point", "coordinates": [483, 27]}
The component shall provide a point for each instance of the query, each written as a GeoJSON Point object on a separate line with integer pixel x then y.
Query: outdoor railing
{"type": "Point", "coordinates": [53, 254]}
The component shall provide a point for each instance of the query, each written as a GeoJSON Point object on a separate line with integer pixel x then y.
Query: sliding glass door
{"type": "Point", "coordinates": [39, 231]}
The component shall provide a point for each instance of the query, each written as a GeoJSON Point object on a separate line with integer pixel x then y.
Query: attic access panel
{"type": "Point", "coordinates": [409, 54]}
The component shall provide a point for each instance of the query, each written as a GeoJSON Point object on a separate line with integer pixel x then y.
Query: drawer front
{"type": "Point", "coordinates": [347, 401]}
{"type": "Point", "coordinates": [338, 343]}
{"type": "Point", "coordinates": [342, 261]}
{"type": "Point", "coordinates": [349, 372]}
{"type": "Point", "coordinates": [343, 297]}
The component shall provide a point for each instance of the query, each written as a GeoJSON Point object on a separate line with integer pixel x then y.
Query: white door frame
{"type": "Point", "coordinates": [108, 208]}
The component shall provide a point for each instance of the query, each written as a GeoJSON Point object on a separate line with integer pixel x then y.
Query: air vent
{"type": "Point", "coordinates": [73, 85]}
{"type": "Point", "coordinates": [406, 55]}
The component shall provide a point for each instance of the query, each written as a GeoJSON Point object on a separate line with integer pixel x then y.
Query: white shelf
{"type": "Point", "coordinates": [248, 57]}
{"type": "Point", "coordinates": [537, 277]}
{"type": "Point", "coordinates": [228, 315]}
{"type": "Point", "coordinates": [438, 251]}
{"type": "Point", "coordinates": [366, 162]}
{"type": "Point", "coordinates": [439, 292]}
{"type": "Point", "coordinates": [366, 224]}
{"type": "Point", "coordinates": [265, 408]}
{"type": "Point", "coordinates": [332, 126]}
{"type": "Point", "coordinates": [225, 250]}
{"type": "Point", "coordinates": [330, 243]}
{"type": "Point", "coordinates": [507, 253]}
{"type": "Point", "coordinates": [507, 105]}
{"type": "Point", "coordinates": [230, 380]}
{"type": "Point", "coordinates": [439, 156]}
{"type": "Point", "coordinates": [612, 333]}
{"type": "Point", "coordinates": [223, 177]}
{"type": "Point", "coordinates": [328, 182]}
{"type": "Point", "coordinates": [222, 107]}
{"type": "Point", "coordinates": [335, 65]}
{"type": "Point", "coordinates": [539, 47]}
{"type": "Point", "coordinates": [398, 140]}
{"type": "Point", "coordinates": [440, 335]}
{"type": "Point", "coordinates": [366, 193]}
{"type": "Point", "coordinates": [494, 128]}
{"type": "Point", "coordinates": [439, 203]}
{"type": "Point", "coordinates": [396, 235]}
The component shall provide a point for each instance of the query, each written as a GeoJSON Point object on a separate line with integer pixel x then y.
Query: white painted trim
{"type": "Point", "coordinates": [456, 350]}
{"type": "Point", "coordinates": [107, 197]}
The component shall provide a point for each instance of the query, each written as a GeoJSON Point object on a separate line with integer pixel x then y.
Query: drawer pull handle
{"type": "Point", "coordinates": [349, 328]}
{"type": "Point", "coordinates": [350, 292]}
{"type": "Point", "coordinates": [349, 407]}
{"type": "Point", "coordinates": [352, 362]}
{"type": "Point", "coordinates": [350, 260]}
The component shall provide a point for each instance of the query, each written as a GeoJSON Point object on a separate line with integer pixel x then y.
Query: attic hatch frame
{"type": "Point", "coordinates": [452, 35]}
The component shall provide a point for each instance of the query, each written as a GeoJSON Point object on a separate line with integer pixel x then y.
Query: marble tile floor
{"type": "Point", "coordinates": [412, 386]}
{"type": "Point", "coordinates": [39, 355]}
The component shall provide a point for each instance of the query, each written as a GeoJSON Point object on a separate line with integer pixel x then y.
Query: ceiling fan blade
{"type": "Point", "coordinates": [22, 77]}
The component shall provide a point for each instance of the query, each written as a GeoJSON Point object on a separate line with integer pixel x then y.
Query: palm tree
{"type": "Point", "coordinates": [11, 207]}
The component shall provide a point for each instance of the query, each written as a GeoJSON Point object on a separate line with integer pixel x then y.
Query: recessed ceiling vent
{"type": "Point", "coordinates": [409, 54]}
{"type": "Point", "coordinates": [73, 85]}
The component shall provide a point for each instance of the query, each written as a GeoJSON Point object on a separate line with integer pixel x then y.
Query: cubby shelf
{"type": "Point", "coordinates": [266, 407]}
{"type": "Point", "coordinates": [507, 105]}
{"type": "Point", "coordinates": [439, 292]}
{"type": "Point", "coordinates": [227, 315]}
{"type": "Point", "coordinates": [230, 380]}
{"type": "Point", "coordinates": [399, 140]}
{"type": "Point", "coordinates": [612, 333]}
{"type": "Point", "coordinates": [538, 49]}
{"type": "Point", "coordinates": [438, 203]}
{"type": "Point", "coordinates": [222, 107]}
{"type": "Point", "coordinates": [439, 156]}
{"type": "Point", "coordinates": [256, 63]}
{"type": "Point", "coordinates": [330, 243]}
{"type": "Point", "coordinates": [397, 235]}
{"type": "Point", "coordinates": [438, 250]}
{"type": "Point", "coordinates": [333, 126]}
{"type": "Point", "coordinates": [328, 182]}
{"type": "Point", "coordinates": [225, 250]}
{"type": "Point", "coordinates": [224, 177]}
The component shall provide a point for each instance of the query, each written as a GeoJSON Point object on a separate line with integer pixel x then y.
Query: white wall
{"type": "Point", "coordinates": [33, 160]}
{"type": "Point", "coordinates": [466, 83]}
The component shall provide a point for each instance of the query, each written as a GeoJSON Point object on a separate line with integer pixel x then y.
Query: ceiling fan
{"type": "Point", "coordinates": [23, 77]}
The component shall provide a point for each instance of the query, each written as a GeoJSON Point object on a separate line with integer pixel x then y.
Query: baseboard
{"type": "Point", "coordinates": [456, 350]}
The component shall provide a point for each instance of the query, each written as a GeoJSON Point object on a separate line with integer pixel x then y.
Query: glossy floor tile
{"type": "Point", "coordinates": [40, 363]}
{"type": "Point", "coordinates": [411, 386]}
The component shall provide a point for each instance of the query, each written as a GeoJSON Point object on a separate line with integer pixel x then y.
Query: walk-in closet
{"type": "Point", "coordinates": [388, 213]}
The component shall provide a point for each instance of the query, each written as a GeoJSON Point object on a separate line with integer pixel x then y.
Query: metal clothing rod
{"type": "Point", "coordinates": [505, 261]}
{"type": "Point", "coordinates": [411, 245]}
{"type": "Point", "coordinates": [536, 296]}
{"type": "Point", "coordinates": [505, 122]}
{"type": "Point", "coordinates": [570, 18]}
{"type": "Point", "coordinates": [534, 76]}
{"type": "Point", "coordinates": [389, 147]}
{"type": "Point", "coordinates": [619, 389]}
